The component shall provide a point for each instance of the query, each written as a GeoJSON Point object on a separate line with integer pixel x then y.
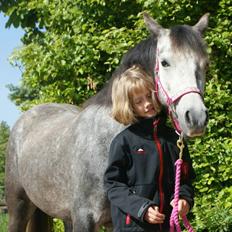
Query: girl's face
{"type": "Point", "coordinates": [143, 104]}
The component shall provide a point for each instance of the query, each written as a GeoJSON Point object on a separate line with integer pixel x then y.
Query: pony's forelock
{"type": "Point", "coordinates": [185, 39]}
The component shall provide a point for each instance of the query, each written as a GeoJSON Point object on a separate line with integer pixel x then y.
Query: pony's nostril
{"type": "Point", "coordinates": [187, 117]}
{"type": "Point", "coordinates": [194, 119]}
{"type": "Point", "coordinates": [206, 117]}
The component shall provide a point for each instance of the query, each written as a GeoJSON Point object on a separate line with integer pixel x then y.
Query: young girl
{"type": "Point", "coordinates": [139, 180]}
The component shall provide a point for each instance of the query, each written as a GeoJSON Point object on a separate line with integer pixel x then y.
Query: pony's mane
{"type": "Point", "coordinates": [183, 39]}
{"type": "Point", "coordinates": [143, 54]}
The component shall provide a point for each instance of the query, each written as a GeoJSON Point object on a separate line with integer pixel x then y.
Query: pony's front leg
{"type": "Point", "coordinates": [19, 215]}
{"type": "Point", "coordinates": [104, 220]}
{"type": "Point", "coordinates": [81, 224]}
{"type": "Point", "coordinates": [68, 226]}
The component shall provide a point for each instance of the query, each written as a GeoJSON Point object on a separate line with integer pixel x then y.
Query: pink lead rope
{"type": "Point", "coordinates": [174, 219]}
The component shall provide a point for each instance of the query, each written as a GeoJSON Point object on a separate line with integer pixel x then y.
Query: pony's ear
{"type": "Point", "coordinates": [151, 24]}
{"type": "Point", "coordinates": [202, 24]}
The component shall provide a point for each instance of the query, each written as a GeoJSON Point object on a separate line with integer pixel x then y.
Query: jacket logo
{"type": "Point", "coordinates": [140, 151]}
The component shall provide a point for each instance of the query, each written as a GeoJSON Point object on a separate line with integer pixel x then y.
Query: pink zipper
{"type": "Point", "coordinates": [160, 153]}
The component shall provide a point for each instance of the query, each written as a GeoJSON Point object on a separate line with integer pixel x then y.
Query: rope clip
{"type": "Point", "coordinates": [180, 145]}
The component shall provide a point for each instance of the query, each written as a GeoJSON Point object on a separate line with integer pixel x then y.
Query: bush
{"type": "Point", "coordinates": [3, 222]}
{"type": "Point", "coordinates": [214, 213]}
{"type": "Point", "coordinates": [58, 225]}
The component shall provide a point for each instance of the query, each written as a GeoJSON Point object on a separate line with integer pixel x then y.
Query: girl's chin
{"type": "Point", "coordinates": [150, 115]}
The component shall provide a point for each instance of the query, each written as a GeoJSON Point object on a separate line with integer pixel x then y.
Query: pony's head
{"type": "Point", "coordinates": [181, 62]}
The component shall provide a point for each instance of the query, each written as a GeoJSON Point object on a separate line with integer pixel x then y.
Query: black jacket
{"type": "Point", "coordinates": [140, 175]}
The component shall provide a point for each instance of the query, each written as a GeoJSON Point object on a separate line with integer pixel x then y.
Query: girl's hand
{"type": "Point", "coordinates": [183, 206]}
{"type": "Point", "coordinates": [153, 215]}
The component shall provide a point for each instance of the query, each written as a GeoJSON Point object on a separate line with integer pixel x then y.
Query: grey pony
{"type": "Point", "coordinates": [57, 153]}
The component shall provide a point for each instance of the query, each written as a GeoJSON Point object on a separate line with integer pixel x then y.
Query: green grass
{"type": "Point", "coordinates": [58, 224]}
{"type": "Point", "coordinates": [3, 222]}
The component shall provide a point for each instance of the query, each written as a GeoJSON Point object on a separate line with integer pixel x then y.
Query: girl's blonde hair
{"type": "Point", "coordinates": [131, 81]}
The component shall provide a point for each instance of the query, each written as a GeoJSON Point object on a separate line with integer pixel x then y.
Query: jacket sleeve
{"type": "Point", "coordinates": [116, 183]}
{"type": "Point", "coordinates": [187, 177]}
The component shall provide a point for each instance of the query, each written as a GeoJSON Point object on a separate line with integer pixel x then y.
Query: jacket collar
{"type": "Point", "coordinates": [145, 126]}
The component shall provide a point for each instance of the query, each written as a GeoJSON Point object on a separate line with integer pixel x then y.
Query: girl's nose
{"type": "Point", "coordinates": [147, 104]}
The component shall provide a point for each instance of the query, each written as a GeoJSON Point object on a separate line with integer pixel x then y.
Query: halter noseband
{"type": "Point", "coordinates": [170, 101]}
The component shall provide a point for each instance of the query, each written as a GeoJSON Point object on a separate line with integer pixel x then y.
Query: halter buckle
{"type": "Point", "coordinates": [180, 145]}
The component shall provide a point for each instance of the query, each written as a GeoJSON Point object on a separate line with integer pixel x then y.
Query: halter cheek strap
{"type": "Point", "coordinates": [170, 100]}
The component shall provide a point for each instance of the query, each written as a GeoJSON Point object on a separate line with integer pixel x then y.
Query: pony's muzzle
{"type": "Point", "coordinates": [196, 120]}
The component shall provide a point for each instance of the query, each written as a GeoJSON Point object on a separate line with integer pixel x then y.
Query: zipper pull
{"type": "Point", "coordinates": [155, 124]}
{"type": "Point", "coordinates": [128, 219]}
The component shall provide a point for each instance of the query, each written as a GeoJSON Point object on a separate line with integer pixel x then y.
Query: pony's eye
{"type": "Point", "coordinates": [165, 63]}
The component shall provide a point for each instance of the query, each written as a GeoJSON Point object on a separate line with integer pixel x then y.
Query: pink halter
{"type": "Point", "coordinates": [170, 101]}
